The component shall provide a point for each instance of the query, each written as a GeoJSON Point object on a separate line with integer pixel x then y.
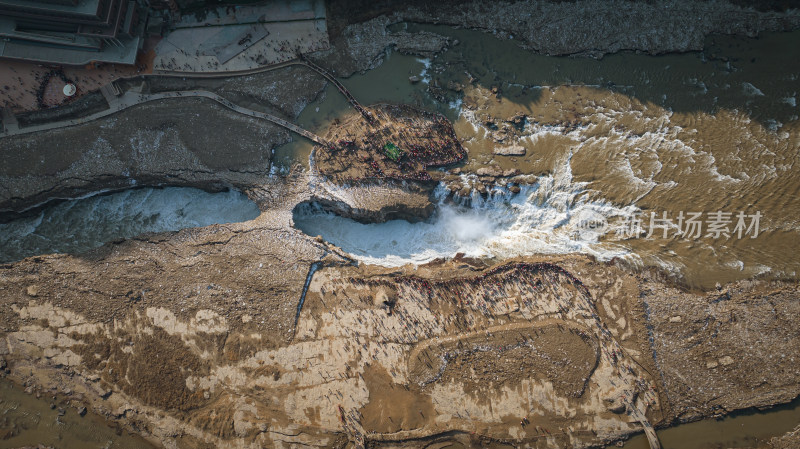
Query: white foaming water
{"type": "Point", "coordinates": [79, 225]}
{"type": "Point", "coordinates": [424, 76]}
{"type": "Point", "coordinates": [551, 216]}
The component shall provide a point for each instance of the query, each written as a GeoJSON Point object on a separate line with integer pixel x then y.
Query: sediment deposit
{"type": "Point", "coordinates": [256, 335]}
{"type": "Point", "coordinates": [195, 337]}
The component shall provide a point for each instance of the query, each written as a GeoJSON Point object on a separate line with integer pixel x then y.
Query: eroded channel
{"type": "Point", "coordinates": [552, 215]}
{"type": "Point", "coordinates": [78, 225]}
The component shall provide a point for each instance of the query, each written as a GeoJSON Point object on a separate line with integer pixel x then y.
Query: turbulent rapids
{"type": "Point", "coordinates": [553, 215]}
{"type": "Point", "coordinates": [465, 243]}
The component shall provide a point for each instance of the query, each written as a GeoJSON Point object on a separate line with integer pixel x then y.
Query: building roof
{"type": "Point", "coordinates": [88, 8]}
{"type": "Point", "coordinates": [124, 54]}
{"type": "Point", "coordinates": [70, 33]}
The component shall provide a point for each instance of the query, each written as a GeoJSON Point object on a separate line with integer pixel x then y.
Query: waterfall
{"type": "Point", "coordinates": [552, 215]}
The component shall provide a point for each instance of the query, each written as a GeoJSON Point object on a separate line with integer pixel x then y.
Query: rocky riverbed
{"type": "Point", "coordinates": [194, 338]}
{"type": "Point", "coordinates": [255, 334]}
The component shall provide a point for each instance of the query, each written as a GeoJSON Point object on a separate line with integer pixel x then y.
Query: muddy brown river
{"type": "Point", "coordinates": [706, 143]}
{"type": "Point", "coordinates": [741, 430]}
{"type": "Point", "coordinates": [27, 421]}
{"type": "Point", "coordinates": [709, 132]}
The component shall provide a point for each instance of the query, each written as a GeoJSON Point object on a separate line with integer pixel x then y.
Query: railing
{"type": "Point", "coordinates": [339, 86]}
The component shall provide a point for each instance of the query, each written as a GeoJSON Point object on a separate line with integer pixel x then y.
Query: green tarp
{"type": "Point", "coordinates": [393, 151]}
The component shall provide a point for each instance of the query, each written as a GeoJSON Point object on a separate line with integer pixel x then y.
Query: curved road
{"type": "Point", "coordinates": [301, 60]}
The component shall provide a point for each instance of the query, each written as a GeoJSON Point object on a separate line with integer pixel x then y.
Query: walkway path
{"type": "Point", "coordinates": [130, 99]}
{"type": "Point", "coordinates": [649, 431]}
{"type": "Point", "coordinates": [339, 86]}
{"type": "Point", "coordinates": [302, 60]}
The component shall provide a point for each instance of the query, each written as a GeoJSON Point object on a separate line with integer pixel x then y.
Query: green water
{"type": "Point", "coordinates": [26, 421]}
{"type": "Point", "coordinates": [388, 83]}
{"type": "Point", "coordinates": [741, 430]}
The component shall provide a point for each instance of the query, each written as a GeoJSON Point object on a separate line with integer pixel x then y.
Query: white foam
{"type": "Point", "coordinates": [751, 90]}
{"type": "Point", "coordinates": [80, 224]}
{"type": "Point", "coordinates": [773, 125]}
{"type": "Point", "coordinates": [423, 75]}
{"type": "Point", "coordinates": [548, 217]}
{"type": "Point", "coordinates": [737, 264]}
{"type": "Point", "coordinates": [455, 104]}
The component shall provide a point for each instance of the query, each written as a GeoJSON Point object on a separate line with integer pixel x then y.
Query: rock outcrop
{"type": "Point", "coordinates": [596, 27]}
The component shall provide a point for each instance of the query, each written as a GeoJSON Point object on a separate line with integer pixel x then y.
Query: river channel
{"type": "Point", "coordinates": [622, 141]}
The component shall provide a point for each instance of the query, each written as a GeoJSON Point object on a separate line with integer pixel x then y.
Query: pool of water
{"type": "Point", "coordinates": [745, 429]}
{"type": "Point", "coordinates": [78, 225]}
{"type": "Point", "coordinates": [27, 421]}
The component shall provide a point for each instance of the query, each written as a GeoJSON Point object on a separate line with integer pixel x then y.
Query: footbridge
{"type": "Point", "coordinates": [308, 63]}
{"type": "Point", "coordinates": [649, 431]}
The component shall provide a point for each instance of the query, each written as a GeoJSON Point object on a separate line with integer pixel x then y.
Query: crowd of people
{"type": "Point", "coordinates": [423, 143]}
{"type": "Point", "coordinates": [41, 90]}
